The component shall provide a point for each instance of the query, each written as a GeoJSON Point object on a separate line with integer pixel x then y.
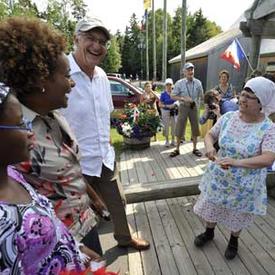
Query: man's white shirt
{"type": "Point", "coordinates": [88, 113]}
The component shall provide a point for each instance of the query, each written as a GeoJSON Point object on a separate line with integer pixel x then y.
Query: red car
{"type": "Point", "coordinates": [123, 92]}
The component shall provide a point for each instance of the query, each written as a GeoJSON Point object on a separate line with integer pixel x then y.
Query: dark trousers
{"type": "Point", "coordinates": [91, 240]}
{"type": "Point", "coordinates": [109, 188]}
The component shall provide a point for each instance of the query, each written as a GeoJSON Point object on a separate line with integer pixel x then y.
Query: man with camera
{"type": "Point", "coordinates": [215, 106]}
{"type": "Point", "coordinates": [212, 107]}
{"type": "Point", "coordinates": [189, 92]}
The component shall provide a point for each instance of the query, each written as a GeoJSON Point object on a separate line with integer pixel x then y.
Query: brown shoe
{"type": "Point", "coordinates": [136, 243]}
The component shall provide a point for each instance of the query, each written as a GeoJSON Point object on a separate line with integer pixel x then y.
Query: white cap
{"type": "Point", "coordinates": [169, 81]}
{"type": "Point", "coordinates": [188, 66]}
{"type": "Point", "coordinates": [89, 23]}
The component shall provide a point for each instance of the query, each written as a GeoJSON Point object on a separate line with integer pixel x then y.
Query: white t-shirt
{"type": "Point", "coordinates": [88, 113]}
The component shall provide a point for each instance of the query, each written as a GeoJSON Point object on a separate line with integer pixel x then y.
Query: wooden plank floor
{"type": "Point", "coordinates": [153, 165]}
{"type": "Point", "coordinates": [171, 226]}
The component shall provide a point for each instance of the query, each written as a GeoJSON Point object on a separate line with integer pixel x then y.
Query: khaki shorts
{"type": "Point", "coordinates": [185, 112]}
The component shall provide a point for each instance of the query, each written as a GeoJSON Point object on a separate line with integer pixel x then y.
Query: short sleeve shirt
{"type": "Point", "coordinates": [166, 99]}
{"type": "Point", "coordinates": [55, 172]}
{"type": "Point", "coordinates": [193, 89]}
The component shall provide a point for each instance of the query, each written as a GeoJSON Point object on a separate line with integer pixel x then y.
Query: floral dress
{"type": "Point", "coordinates": [235, 195]}
{"type": "Point", "coordinates": [32, 239]}
{"type": "Point", "coordinates": [54, 171]}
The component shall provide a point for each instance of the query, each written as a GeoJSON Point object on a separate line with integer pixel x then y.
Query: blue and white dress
{"type": "Point", "coordinates": [232, 197]}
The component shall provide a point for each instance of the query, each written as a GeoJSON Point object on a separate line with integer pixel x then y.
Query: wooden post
{"type": "Point", "coordinates": [164, 46]}
{"type": "Point", "coordinates": [255, 51]}
{"type": "Point", "coordinates": [183, 36]}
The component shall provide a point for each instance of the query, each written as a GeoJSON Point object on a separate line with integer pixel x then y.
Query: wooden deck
{"type": "Point", "coordinates": [154, 165]}
{"type": "Point", "coordinates": [151, 174]}
{"type": "Point", "coordinates": [170, 224]}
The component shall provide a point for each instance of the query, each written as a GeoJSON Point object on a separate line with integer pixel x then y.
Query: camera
{"type": "Point", "coordinates": [192, 104]}
{"type": "Point", "coordinates": [174, 111]}
{"type": "Point", "coordinates": [210, 100]}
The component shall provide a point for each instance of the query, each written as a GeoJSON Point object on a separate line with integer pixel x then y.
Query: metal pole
{"type": "Point", "coordinates": [141, 47]}
{"type": "Point", "coordinates": [11, 4]}
{"type": "Point", "coordinates": [147, 49]}
{"type": "Point", "coordinates": [154, 43]}
{"type": "Point", "coordinates": [164, 48]}
{"type": "Point", "coordinates": [183, 36]}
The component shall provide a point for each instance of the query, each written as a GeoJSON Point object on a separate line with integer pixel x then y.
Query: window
{"type": "Point", "coordinates": [118, 88]}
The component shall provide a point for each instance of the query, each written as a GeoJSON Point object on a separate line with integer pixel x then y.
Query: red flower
{"type": "Point", "coordinates": [68, 220]}
{"type": "Point", "coordinates": [25, 166]}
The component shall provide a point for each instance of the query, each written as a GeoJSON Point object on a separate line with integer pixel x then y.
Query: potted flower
{"type": "Point", "coordinates": [137, 124]}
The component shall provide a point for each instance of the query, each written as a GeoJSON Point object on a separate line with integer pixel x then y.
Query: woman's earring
{"type": "Point", "coordinates": [43, 90]}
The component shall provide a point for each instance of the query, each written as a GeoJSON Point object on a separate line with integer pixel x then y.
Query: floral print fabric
{"type": "Point", "coordinates": [239, 189]}
{"type": "Point", "coordinates": [234, 221]}
{"type": "Point", "coordinates": [54, 171]}
{"type": "Point", "coordinates": [32, 239]}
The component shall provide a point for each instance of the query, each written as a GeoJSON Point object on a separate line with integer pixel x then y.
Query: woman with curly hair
{"type": "Point", "coordinates": [34, 66]}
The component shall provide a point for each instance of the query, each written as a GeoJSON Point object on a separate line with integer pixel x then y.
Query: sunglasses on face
{"type": "Point", "coordinates": [25, 125]}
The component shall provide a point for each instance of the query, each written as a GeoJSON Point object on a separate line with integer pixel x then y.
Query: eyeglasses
{"type": "Point", "coordinates": [25, 125]}
{"type": "Point", "coordinates": [102, 42]}
{"type": "Point", "coordinates": [248, 96]}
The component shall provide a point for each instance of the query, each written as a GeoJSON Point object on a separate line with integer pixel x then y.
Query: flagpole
{"type": "Point", "coordinates": [183, 37]}
{"type": "Point", "coordinates": [147, 47]}
{"type": "Point", "coordinates": [164, 44]}
{"type": "Point", "coordinates": [244, 54]}
{"type": "Point", "coordinates": [154, 42]}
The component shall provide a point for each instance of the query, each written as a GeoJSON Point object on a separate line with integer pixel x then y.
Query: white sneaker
{"type": "Point", "coordinates": [167, 144]}
{"type": "Point", "coordinates": [173, 143]}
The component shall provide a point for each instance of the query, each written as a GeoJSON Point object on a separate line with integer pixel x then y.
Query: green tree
{"type": "Point", "coordinates": [112, 61]}
{"type": "Point", "coordinates": [130, 48]}
{"type": "Point", "coordinates": [79, 9]}
{"type": "Point", "coordinates": [4, 8]}
{"type": "Point", "coordinates": [62, 14]}
{"type": "Point", "coordinates": [199, 29]}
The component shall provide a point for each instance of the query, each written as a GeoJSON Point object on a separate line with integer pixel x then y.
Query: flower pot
{"type": "Point", "coordinates": [137, 144]}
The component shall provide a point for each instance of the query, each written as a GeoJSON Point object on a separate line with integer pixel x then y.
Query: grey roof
{"type": "Point", "coordinates": [204, 48]}
{"type": "Point", "coordinates": [260, 9]}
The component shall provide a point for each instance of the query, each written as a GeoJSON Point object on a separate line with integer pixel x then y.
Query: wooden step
{"type": "Point", "coordinates": [162, 189]}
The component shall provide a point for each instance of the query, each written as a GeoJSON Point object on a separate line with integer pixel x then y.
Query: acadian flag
{"type": "Point", "coordinates": [147, 4]}
{"type": "Point", "coordinates": [234, 54]}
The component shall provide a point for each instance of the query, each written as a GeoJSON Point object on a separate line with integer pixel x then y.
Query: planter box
{"type": "Point", "coordinates": [137, 144]}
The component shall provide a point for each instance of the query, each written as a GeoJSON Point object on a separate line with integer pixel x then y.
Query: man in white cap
{"type": "Point", "coordinates": [189, 92]}
{"type": "Point", "coordinates": [89, 108]}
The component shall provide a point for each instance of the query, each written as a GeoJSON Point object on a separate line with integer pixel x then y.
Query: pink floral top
{"type": "Point", "coordinates": [55, 172]}
{"type": "Point", "coordinates": [32, 239]}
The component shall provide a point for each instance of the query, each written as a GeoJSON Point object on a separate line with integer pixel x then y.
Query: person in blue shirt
{"type": "Point", "coordinates": [168, 112]}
